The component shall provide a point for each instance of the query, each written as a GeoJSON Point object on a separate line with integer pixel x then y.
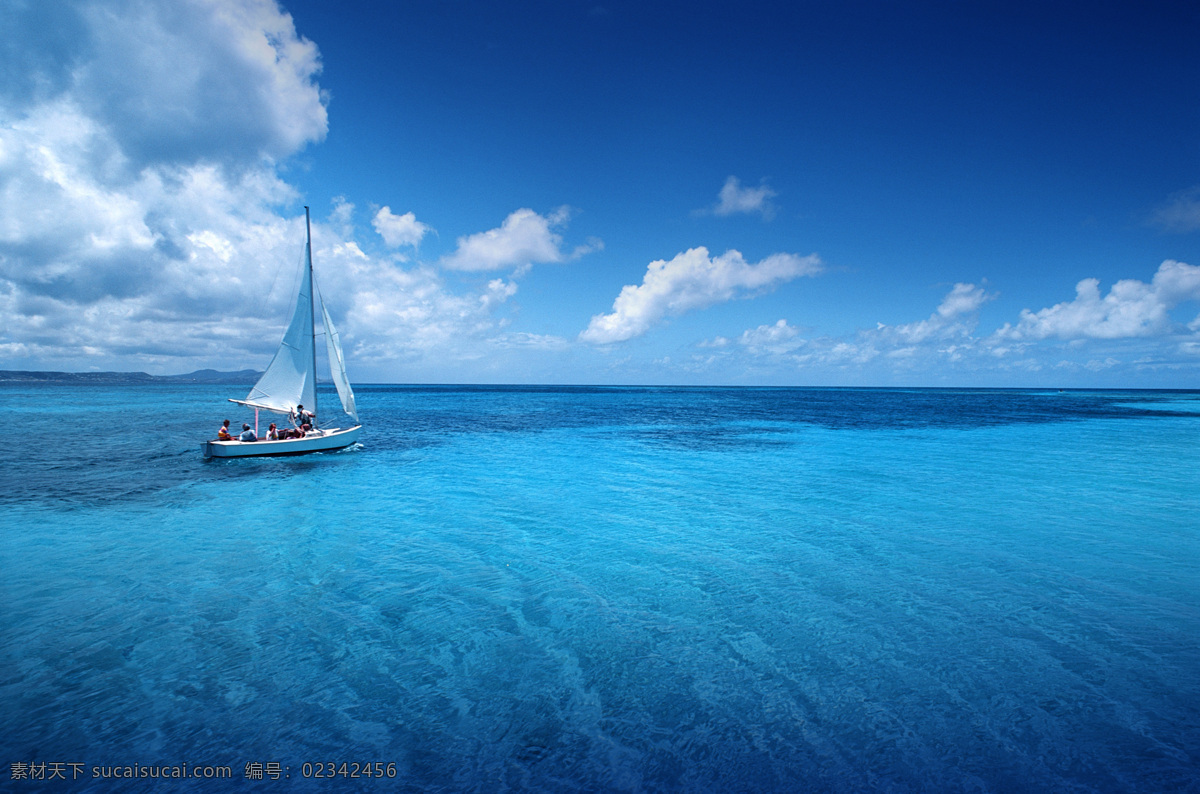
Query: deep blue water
{"type": "Point", "coordinates": [644, 589]}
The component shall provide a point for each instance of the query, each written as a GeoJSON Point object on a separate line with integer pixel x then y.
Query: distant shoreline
{"type": "Point", "coordinates": [245, 376]}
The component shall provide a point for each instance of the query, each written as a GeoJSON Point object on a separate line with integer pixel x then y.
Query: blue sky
{"type": "Point", "coordinates": [994, 194]}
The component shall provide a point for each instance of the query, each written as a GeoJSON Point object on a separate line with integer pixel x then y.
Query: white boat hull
{"type": "Point", "coordinates": [327, 440]}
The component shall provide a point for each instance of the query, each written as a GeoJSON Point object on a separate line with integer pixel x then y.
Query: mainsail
{"type": "Point", "coordinates": [291, 377]}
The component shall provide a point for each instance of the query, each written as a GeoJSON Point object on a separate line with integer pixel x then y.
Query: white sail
{"type": "Point", "coordinates": [290, 379]}
{"type": "Point", "coordinates": [337, 362]}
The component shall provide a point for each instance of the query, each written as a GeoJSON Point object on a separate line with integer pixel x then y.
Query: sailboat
{"type": "Point", "coordinates": [290, 381]}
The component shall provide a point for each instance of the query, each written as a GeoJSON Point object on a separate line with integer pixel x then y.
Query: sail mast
{"type": "Point", "coordinates": [311, 297]}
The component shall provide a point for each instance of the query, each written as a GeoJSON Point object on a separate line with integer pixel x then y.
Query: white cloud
{"type": "Point", "coordinates": [142, 227]}
{"type": "Point", "coordinates": [953, 318]}
{"type": "Point", "coordinates": [498, 291]}
{"type": "Point", "coordinates": [692, 280]}
{"type": "Point", "coordinates": [342, 216]}
{"type": "Point", "coordinates": [145, 152]}
{"type": "Point", "coordinates": [1131, 308]}
{"type": "Point", "coordinates": [771, 339]}
{"type": "Point", "coordinates": [945, 336]}
{"type": "Point", "coordinates": [405, 321]}
{"type": "Point", "coordinates": [534, 341]}
{"type": "Point", "coordinates": [199, 80]}
{"type": "Point", "coordinates": [842, 353]}
{"type": "Point", "coordinates": [399, 230]}
{"type": "Point", "coordinates": [1126, 334]}
{"type": "Point", "coordinates": [525, 238]}
{"type": "Point", "coordinates": [737, 200]}
{"type": "Point", "coordinates": [1181, 213]}
{"type": "Point", "coordinates": [963, 299]}
{"type": "Point", "coordinates": [71, 232]}
{"type": "Point", "coordinates": [1096, 365]}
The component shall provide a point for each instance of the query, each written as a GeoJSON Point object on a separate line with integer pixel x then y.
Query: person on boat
{"type": "Point", "coordinates": [223, 433]}
{"type": "Point", "coordinates": [305, 420]}
{"type": "Point", "coordinates": [247, 433]}
{"type": "Point", "coordinates": [272, 433]}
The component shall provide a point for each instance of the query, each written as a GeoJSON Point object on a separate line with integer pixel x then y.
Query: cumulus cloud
{"type": "Point", "coordinates": [692, 280]}
{"type": "Point", "coordinates": [525, 238]}
{"type": "Point", "coordinates": [143, 223]}
{"type": "Point", "coordinates": [226, 81]}
{"type": "Point", "coordinates": [947, 335]}
{"type": "Point", "coordinates": [737, 200]}
{"type": "Point", "coordinates": [953, 318]}
{"type": "Point", "coordinates": [1131, 308]}
{"type": "Point", "coordinates": [399, 230]}
{"type": "Point", "coordinates": [1124, 334]}
{"type": "Point", "coordinates": [963, 299]}
{"type": "Point", "coordinates": [404, 315]}
{"type": "Point", "coordinates": [774, 339]}
{"type": "Point", "coordinates": [137, 142]}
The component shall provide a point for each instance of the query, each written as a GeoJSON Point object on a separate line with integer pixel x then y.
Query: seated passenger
{"type": "Point", "coordinates": [247, 434]}
{"type": "Point", "coordinates": [272, 433]}
{"type": "Point", "coordinates": [223, 433]}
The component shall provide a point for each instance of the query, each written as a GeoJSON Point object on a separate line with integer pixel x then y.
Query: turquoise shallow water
{"type": "Point", "coordinates": [558, 589]}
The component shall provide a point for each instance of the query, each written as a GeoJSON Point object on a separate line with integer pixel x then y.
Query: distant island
{"type": "Point", "coordinates": [245, 376]}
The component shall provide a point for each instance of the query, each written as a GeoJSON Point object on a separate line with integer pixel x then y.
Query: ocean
{"type": "Point", "coordinates": [605, 589]}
